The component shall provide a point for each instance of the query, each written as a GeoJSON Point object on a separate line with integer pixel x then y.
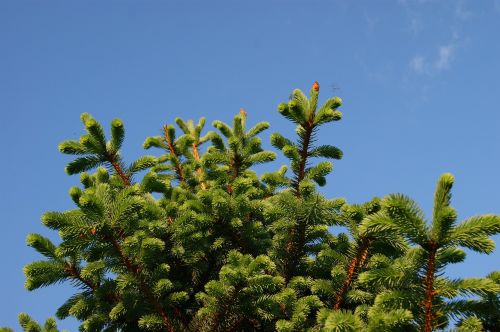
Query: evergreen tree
{"type": "Point", "coordinates": [28, 324]}
{"type": "Point", "coordinates": [195, 240]}
{"type": "Point", "coordinates": [485, 309]}
{"type": "Point", "coordinates": [417, 281]}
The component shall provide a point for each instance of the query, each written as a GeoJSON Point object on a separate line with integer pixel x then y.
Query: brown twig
{"type": "Point", "coordinates": [171, 148]}
{"type": "Point", "coordinates": [297, 237]}
{"type": "Point", "coordinates": [131, 267]}
{"type": "Point", "coordinates": [199, 171]}
{"type": "Point", "coordinates": [356, 263]}
{"type": "Point", "coordinates": [304, 152]}
{"type": "Point", "coordinates": [119, 170]}
{"type": "Point", "coordinates": [73, 272]}
{"type": "Point", "coordinates": [429, 288]}
{"type": "Point", "coordinates": [135, 270]}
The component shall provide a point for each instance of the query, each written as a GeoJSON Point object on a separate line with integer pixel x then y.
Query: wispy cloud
{"type": "Point", "coordinates": [440, 61]}
{"type": "Point", "coordinates": [416, 26]}
{"type": "Point", "coordinates": [418, 64]}
{"type": "Point", "coordinates": [457, 12]}
{"type": "Point", "coordinates": [461, 12]}
{"type": "Point", "coordinates": [371, 21]}
{"type": "Point", "coordinates": [444, 57]}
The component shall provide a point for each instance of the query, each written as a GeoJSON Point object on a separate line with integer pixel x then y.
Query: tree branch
{"type": "Point", "coordinates": [135, 270]}
{"type": "Point", "coordinates": [295, 247]}
{"type": "Point", "coordinates": [171, 148]}
{"type": "Point", "coordinates": [199, 171]}
{"type": "Point", "coordinates": [356, 263]}
{"type": "Point", "coordinates": [118, 169]}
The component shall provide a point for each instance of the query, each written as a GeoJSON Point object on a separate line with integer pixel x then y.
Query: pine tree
{"type": "Point", "coordinates": [485, 309]}
{"type": "Point", "coordinates": [193, 239]}
{"type": "Point", "coordinates": [416, 280]}
{"type": "Point", "coordinates": [28, 324]}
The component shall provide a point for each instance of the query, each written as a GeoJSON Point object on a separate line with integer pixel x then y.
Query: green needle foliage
{"type": "Point", "coordinates": [418, 278]}
{"type": "Point", "coordinates": [28, 324]}
{"type": "Point", "coordinates": [193, 239]}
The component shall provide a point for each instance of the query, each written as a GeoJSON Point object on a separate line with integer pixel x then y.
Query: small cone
{"type": "Point", "coordinates": [316, 86]}
{"type": "Point", "coordinates": [93, 231]}
{"type": "Point", "coordinates": [243, 112]}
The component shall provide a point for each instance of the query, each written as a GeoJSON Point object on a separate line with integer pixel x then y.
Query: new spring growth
{"type": "Point", "coordinates": [117, 123]}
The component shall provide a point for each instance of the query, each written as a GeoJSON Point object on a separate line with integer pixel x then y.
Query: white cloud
{"type": "Point", "coordinates": [418, 64]}
{"type": "Point", "coordinates": [371, 21]}
{"type": "Point", "coordinates": [416, 26]}
{"type": "Point", "coordinates": [444, 57]}
{"type": "Point", "coordinates": [442, 61]}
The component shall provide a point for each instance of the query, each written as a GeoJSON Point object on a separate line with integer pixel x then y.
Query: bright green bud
{"type": "Point", "coordinates": [291, 152]}
{"type": "Point", "coordinates": [164, 268]}
{"type": "Point", "coordinates": [178, 250]}
{"type": "Point", "coordinates": [163, 158]}
{"type": "Point", "coordinates": [352, 212]}
{"type": "Point", "coordinates": [236, 222]}
{"type": "Point", "coordinates": [117, 123]}
{"type": "Point", "coordinates": [84, 200]}
{"type": "Point", "coordinates": [75, 193]}
{"type": "Point", "coordinates": [53, 220]}
{"type": "Point", "coordinates": [162, 286]}
{"type": "Point", "coordinates": [373, 206]}
{"type": "Point", "coordinates": [337, 102]}
{"type": "Point", "coordinates": [152, 142]}
{"type": "Point", "coordinates": [102, 175]}
{"type": "Point", "coordinates": [447, 178]}
{"type": "Point", "coordinates": [178, 297]}
{"type": "Point", "coordinates": [71, 147]}
{"type": "Point", "coordinates": [85, 179]}
{"type": "Point", "coordinates": [117, 311]}
{"type": "Point", "coordinates": [84, 139]}
{"type": "Point", "coordinates": [32, 239]}
{"type": "Point", "coordinates": [284, 326]}
{"type": "Point", "coordinates": [306, 188]}
{"type": "Point", "coordinates": [136, 188]}
{"type": "Point", "coordinates": [91, 123]}
{"type": "Point", "coordinates": [282, 107]}
{"type": "Point", "coordinates": [147, 143]}
{"type": "Point", "coordinates": [337, 115]}
{"type": "Point", "coordinates": [85, 117]}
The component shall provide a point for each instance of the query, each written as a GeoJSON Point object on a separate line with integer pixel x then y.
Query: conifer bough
{"type": "Point", "coordinates": [193, 239]}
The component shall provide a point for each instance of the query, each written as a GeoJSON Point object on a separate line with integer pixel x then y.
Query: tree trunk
{"type": "Point", "coordinates": [429, 289]}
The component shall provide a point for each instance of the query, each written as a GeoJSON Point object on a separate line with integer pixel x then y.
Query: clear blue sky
{"type": "Point", "coordinates": [420, 82]}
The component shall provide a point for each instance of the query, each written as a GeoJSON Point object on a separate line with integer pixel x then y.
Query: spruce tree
{"type": "Point", "coordinates": [193, 239]}
{"type": "Point", "coordinates": [417, 281]}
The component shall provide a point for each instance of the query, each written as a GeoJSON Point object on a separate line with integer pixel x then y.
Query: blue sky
{"type": "Point", "coordinates": [420, 82]}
